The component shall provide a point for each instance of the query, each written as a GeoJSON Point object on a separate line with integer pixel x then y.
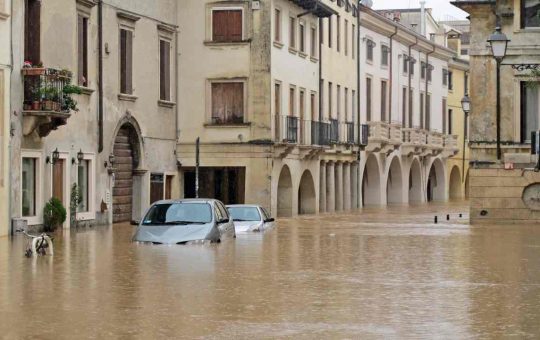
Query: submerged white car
{"type": "Point", "coordinates": [249, 218]}
{"type": "Point", "coordinates": [185, 222]}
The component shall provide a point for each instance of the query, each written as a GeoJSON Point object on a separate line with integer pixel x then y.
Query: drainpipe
{"type": "Point", "coordinates": [100, 76]}
{"type": "Point", "coordinates": [410, 83]}
{"type": "Point", "coordinates": [358, 80]}
{"type": "Point", "coordinates": [391, 80]}
{"type": "Point", "coordinates": [426, 91]}
{"type": "Point", "coordinates": [10, 136]}
{"type": "Point", "coordinates": [177, 80]}
{"type": "Point", "coordinates": [320, 74]}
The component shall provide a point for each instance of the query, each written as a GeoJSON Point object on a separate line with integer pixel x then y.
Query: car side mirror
{"type": "Point", "coordinates": [134, 222]}
{"type": "Point", "coordinates": [224, 220]}
{"type": "Point", "coordinates": [271, 219]}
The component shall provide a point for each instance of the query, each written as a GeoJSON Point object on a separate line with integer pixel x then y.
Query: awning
{"type": "Point", "coordinates": [316, 7]}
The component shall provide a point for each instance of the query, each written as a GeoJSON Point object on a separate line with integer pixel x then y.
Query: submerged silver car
{"type": "Point", "coordinates": [250, 218]}
{"type": "Point", "coordinates": [185, 221]}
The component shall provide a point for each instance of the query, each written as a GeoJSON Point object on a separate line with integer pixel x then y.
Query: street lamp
{"type": "Point", "coordinates": [466, 107]}
{"type": "Point", "coordinates": [498, 43]}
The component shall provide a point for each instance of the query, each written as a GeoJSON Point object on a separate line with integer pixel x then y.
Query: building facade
{"type": "Point", "coordinates": [503, 188]}
{"type": "Point", "coordinates": [117, 142]}
{"type": "Point", "coordinates": [5, 131]}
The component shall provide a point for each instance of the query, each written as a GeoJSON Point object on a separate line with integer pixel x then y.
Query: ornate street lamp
{"type": "Point", "coordinates": [498, 43]}
{"type": "Point", "coordinates": [466, 104]}
{"type": "Point", "coordinates": [55, 157]}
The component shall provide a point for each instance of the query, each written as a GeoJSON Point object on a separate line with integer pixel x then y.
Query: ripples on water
{"type": "Point", "coordinates": [382, 273]}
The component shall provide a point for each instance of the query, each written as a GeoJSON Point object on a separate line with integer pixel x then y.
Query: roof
{"type": "Point", "coordinates": [187, 200]}
{"type": "Point", "coordinates": [316, 7]}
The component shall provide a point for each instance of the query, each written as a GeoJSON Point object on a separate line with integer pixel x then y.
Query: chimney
{"type": "Point", "coordinates": [423, 17]}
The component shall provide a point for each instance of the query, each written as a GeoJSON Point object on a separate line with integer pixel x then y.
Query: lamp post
{"type": "Point", "coordinates": [466, 107]}
{"type": "Point", "coordinates": [498, 43]}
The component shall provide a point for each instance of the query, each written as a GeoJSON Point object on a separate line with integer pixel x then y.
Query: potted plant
{"type": "Point", "coordinates": [33, 70]}
{"type": "Point", "coordinates": [69, 103]}
{"type": "Point", "coordinates": [54, 214]}
{"type": "Point", "coordinates": [47, 94]}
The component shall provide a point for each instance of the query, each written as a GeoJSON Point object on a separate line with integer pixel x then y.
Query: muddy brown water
{"type": "Point", "coordinates": [382, 273]}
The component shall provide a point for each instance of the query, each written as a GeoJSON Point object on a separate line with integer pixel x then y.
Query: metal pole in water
{"type": "Point", "coordinates": [448, 217]}
{"type": "Point", "coordinates": [436, 220]}
{"type": "Point", "coordinates": [197, 146]}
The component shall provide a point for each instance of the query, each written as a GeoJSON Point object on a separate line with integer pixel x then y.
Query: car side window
{"type": "Point", "coordinates": [218, 213]}
{"type": "Point", "coordinates": [223, 210]}
{"type": "Point", "coordinates": [265, 212]}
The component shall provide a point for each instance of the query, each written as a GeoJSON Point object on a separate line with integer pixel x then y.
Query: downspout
{"type": "Point", "coordinates": [177, 80]}
{"type": "Point", "coordinates": [320, 75]}
{"type": "Point", "coordinates": [391, 80]}
{"type": "Point", "coordinates": [410, 117]}
{"type": "Point", "coordinates": [426, 90]}
{"type": "Point", "coordinates": [10, 136]}
{"type": "Point", "coordinates": [100, 76]}
{"type": "Point", "coordinates": [358, 80]}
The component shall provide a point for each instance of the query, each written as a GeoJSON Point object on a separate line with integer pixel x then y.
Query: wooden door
{"type": "Point", "coordinates": [58, 180]}
{"type": "Point", "coordinates": [168, 187]}
{"type": "Point", "coordinates": [123, 184]}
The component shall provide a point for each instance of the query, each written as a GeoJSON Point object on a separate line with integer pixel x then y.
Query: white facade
{"type": "Point", "coordinates": [5, 71]}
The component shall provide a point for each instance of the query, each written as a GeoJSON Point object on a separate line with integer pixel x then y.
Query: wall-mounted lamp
{"type": "Point", "coordinates": [80, 158]}
{"type": "Point", "coordinates": [55, 157]}
{"type": "Point", "coordinates": [110, 164]}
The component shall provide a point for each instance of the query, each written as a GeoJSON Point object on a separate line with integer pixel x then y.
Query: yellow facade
{"type": "Point", "coordinates": [458, 165]}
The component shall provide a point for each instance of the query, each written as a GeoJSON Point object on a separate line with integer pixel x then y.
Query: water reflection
{"type": "Point", "coordinates": [380, 273]}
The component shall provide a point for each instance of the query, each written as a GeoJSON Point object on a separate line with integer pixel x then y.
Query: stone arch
{"type": "Point", "coordinates": [129, 123]}
{"type": "Point", "coordinates": [371, 182]}
{"type": "Point", "coordinates": [415, 182]}
{"type": "Point", "coordinates": [436, 182]}
{"type": "Point", "coordinates": [306, 194]}
{"type": "Point", "coordinates": [127, 151]}
{"type": "Point", "coordinates": [284, 193]}
{"type": "Point", "coordinates": [394, 182]}
{"type": "Point", "coordinates": [455, 185]}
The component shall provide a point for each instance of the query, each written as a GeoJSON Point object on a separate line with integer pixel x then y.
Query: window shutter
{"type": "Point", "coordinates": [80, 50]}
{"type": "Point", "coordinates": [123, 61]}
{"type": "Point", "coordinates": [235, 25]}
{"type": "Point", "coordinates": [237, 102]}
{"type": "Point", "coordinates": [219, 26]}
{"type": "Point", "coordinates": [165, 70]}
{"type": "Point", "coordinates": [129, 62]}
{"type": "Point", "coordinates": [218, 108]}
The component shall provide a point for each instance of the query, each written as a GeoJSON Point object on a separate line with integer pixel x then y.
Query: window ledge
{"type": "Point", "coordinates": [227, 43]}
{"type": "Point", "coordinates": [278, 44]}
{"type": "Point", "coordinates": [127, 97]}
{"type": "Point", "coordinates": [4, 16]}
{"type": "Point", "coordinates": [166, 103]}
{"type": "Point", "coordinates": [314, 59]}
{"type": "Point", "coordinates": [228, 125]}
{"type": "Point", "coordinates": [528, 30]}
{"type": "Point", "coordinates": [292, 50]}
{"type": "Point", "coordinates": [302, 54]}
{"type": "Point", "coordinates": [86, 90]}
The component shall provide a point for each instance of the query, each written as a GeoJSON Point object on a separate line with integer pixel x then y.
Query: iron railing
{"type": "Point", "coordinates": [350, 132]}
{"type": "Point", "coordinates": [334, 131]}
{"type": "Point", "coordinates": [44, 89]}
{"type": "Point", "coordinates": [292, 129]}
{"type": "Point", "coordinates": [364, 134]}
{"type": "Point", "coordinates": [320, 133]}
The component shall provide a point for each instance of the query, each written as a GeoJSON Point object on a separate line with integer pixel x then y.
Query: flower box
{"type": "Point", "coordinates": [33, 71]}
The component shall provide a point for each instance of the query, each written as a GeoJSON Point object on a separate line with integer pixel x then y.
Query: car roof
{"type": "Point", "coordinates": [188, 200]}
{"type": "Point", "coordinates": [243, 205]}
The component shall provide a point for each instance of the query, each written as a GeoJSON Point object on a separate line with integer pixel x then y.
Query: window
{"type": "Point", "coordinates": [292, 32]}
{"type": "Point", "coordinates": [277, 109]}
{"type": "Point", "coordinates": [83, 183]}
{"type": "Point", "coordinates": [126, 61]}
{"type": "Point", "coordinates": [302, 38]}
{"type": "Point", "coordinates": [227, 25]}
{"type": "Point", "coordinates": [384, 55]}
{"type": "Point", "coordinates": [530, 110]}
{"type": "Point", "coordinates": [302, 105]}
{"type": "Point", "coordinates": [429, 72]}
{"type": "Point", "coordinates": [405, 63]}
{"type": "Point", "coordinates": [404, 107]}
{"type": "Point", "coordinates": [368, 99]}
{"type": "Point", "coordinates": [369, 54]}
{"type": "Point", "coordinates": [164, 70]}
{"type": "Point", "coordinates": [292, 101]}
{"type": "Point", "coordinates": [313, 42]}
{"type": "Point", "coordinates": [422, 107]}
{"type": "Point", "coordinates": [329, 32]}
{"type": "Point", "coordinates": [338, 101]}
{"type": "Point", "coordinates": [227, 102]}
{"type": "Point", "coordinates": [346, 30]}
{"type": "Point", "coordinates": [313, 106]}
{"type": "Point", "coordinates": [444, 77]}
{"type": "Point", "coordinates": [346, 102]}
{"type": "Point", "coordinates": [464, 51]}
{"type": "Point", "coordinates": [411, 102]}
{"type": "Point", "coordinates": [428, 112]}
{"type": "Point", "coordinates": [444, 117]}
{"type": "Point", "coordinates": [330, 100]}
{"type": "Point", "coordinates": [353, 41]}
{"type": "Point", "coordinates": [338, 33]}
{"type": "Point", "coordinates": [82, 50]}
{"type": "Point", "coordinates": [423, 70]}
{"type": "Point", "coordinates": [450, 80]}
{"type": "Point", "coordinates": [530, 13]}
{"type": "Point", "coordinates": [353, 98]}
{"type": "Point", "coordinates": [29, 186]}
{"type": "Point", "coordinates": [411, 66]}
{"type": "Point", "coordinates": [277, 25]}
{"type": "Point", "coordinates": [32, 31]}
{"type": "Point", "coordinates": [450, 121]}
{"type": "Point", "coordinates": [383, 100]}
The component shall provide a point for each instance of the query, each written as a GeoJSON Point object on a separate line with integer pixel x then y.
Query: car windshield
{"type": "Point", "coordinates": [245, 213]}
{"type": "Point", "coordinates": [178, 213]}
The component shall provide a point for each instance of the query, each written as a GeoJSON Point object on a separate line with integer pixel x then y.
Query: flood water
{"type": "Point", "coordinates": [382, 273]}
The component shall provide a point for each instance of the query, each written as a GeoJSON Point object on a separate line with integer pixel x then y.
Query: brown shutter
{"type": "Point", "coordinates": [80, 50]}
{"type": "Point", "coordinates": [123, 61]}
{"type": "Point", "coordinates": [238, 102]}
{"type": "Point", "coordinates": [164, 70]}
{"type": "Point", "coordinates": [32, 36]}
{"type": "Point", "coordinates": [129, 62]}
{"type": "Point", "coordinates": [219, 26]}
{"type": "Point", "coordinates": [235, 25]}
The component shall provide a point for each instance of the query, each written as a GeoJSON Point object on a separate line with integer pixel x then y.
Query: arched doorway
{"type": "Point", "coordinates": [371, 183]}
{"type": "Point", "coordinates": [455, 186]}
{"type": "Point", "coordinates": [284, 193]}
{"type": "Point", "coordinates": [415, 182]}
{"type": "Point", "coordinates": [126, 154]}
{"type": "Point", "coordinates": [394, 183]}
{"type": "Point", "coordinates": [306, 194]}
{"type": "Point", "coordinates": [436, 182]}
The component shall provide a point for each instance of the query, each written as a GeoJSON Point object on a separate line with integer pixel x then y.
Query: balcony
{"type": "Point", "coordinates": [434, 145]}
{"type": "Point", "coordinates": [320, 133]}
{"type": "Point", "coordinates": [47, 99]}
{"type": "Point", "coordinates": [364, 135]}
{"type": "Point", "coordinates": [379, 137]}
{"type": "Point", "coordinates": [414, 141]}
{"type": "Point", "coordinates": [451, 147]}
{"type": "Point", "coordinates": [395, 134]}
{"type": "Point", "coordinates": [349, 127]}
{"type": "Point", "coordinates": [334, 131]}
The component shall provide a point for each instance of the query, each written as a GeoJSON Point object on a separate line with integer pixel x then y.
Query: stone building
{"type": "Point", "coordinates": [119, 145]}
{"type": "Point", "coordinates": [503, 187]}
{"type": "Point", "coordinates": [5, 69]}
